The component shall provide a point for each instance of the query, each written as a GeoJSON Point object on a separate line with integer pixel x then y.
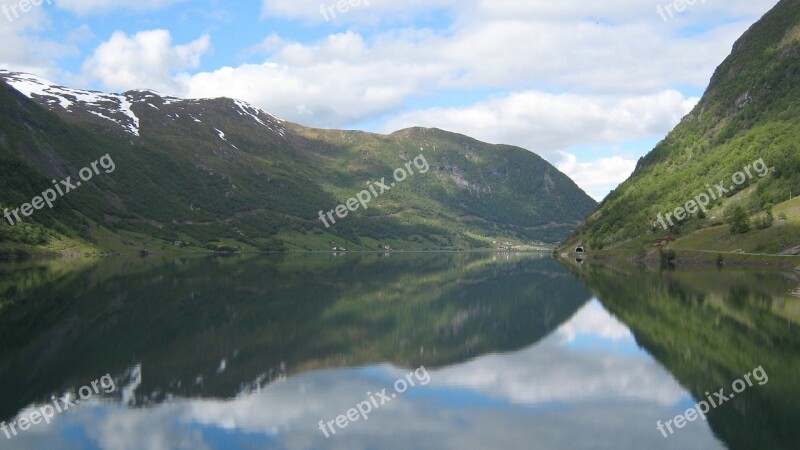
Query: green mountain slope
{"type": "Point", "coordinates": [218, 173]}
{"type": "Point", "coordinates": [750, 112]}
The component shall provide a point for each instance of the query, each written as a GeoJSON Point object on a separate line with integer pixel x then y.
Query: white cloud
{"type": "Point", "coordinates": [267, 46]}
{"type": "Point", "coordinates": [372, 10]}
{"type": "Point", "coordinates": [345, 78]}
{"type": "Point", "coordinates": [613, 11]}
{"type": "Point", "coordinates": [335, 82]}
{"type": "Point", "coordinates": [598, 177]}
{"type": "Point", "coordinates": [23, 49]}
{"type": "Point", "coordinates": [550, 123]}
{"type": "Point", "coordinates": [81, 34]}
{"type": "Point", "coordinates": [87, 7]}
{"type": "Point", "coordinates": [146, 60]}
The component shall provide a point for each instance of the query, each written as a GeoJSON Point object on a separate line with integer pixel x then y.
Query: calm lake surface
{"type": "Point", "coordinates": [495, 351]}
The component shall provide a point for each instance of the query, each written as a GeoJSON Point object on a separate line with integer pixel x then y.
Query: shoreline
{"type": "Point", "coordinates": [55, 255]}
{"type": "Point", "coordinates": [685, 257]}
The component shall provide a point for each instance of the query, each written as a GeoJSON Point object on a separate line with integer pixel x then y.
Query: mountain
{"type": "Point", "coordinates": [737, 153]}
{"type": "Point", "coordinates": [222, 174]}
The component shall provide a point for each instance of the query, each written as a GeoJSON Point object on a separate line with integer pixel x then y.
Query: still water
{"type": "Point", "coordinates": [400, 351]}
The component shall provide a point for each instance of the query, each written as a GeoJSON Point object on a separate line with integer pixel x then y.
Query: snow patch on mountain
{"type": "Point", "coordinates": [97, 103]}
{"type": "Point", "coordinates": [252, 111]}
{"type": "Point", "coordinates": [117, 108]}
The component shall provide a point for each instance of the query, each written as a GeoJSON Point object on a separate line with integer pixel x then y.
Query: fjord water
{"type": "Point", "coordinates": [521, 351]}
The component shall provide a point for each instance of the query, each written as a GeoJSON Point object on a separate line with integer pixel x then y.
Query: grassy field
{"type": "Point", "coordinates": [781, 237]}
{"type": "Point", "coordinates": [776, 245]}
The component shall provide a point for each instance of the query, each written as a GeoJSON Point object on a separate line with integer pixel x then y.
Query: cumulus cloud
{"type": "Point", "coordinates": [145, 60]}
{"type": "Point", "coordinates": [348, 78]}
{"type": "Point", "coordinates": [335, 82]}
{"type": "Point", "coordinates": [550, 123]}
{"type": "Point", "coordinates": [345, 78]}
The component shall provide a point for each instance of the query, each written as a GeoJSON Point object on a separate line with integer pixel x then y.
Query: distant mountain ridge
{"type": "Point", "coordinates": [223, 174]}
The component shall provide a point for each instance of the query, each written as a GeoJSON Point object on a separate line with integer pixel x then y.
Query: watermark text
{"type": "Point", "coordinates": [343, 6]}
{"type": "Point", "coordinates": [375, 401]}
{"type": "Point", "coordinates": [678, 5]}
{"type": "Point", "coordinates": [703, 407]}
{"type": "Point", "coordinates": [23, 6]}
{"type": "Point", "coordinates": [363, 198]}
{"type": "Point", "coordinates": [718, 191]}
{"type": "Point", "coordinates": [47, 412]}
{"type": "Point", "coordinates": [60, 188]}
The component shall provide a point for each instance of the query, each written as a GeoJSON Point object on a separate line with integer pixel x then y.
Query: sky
{"type": "Point", "coordinates": [590, 86]}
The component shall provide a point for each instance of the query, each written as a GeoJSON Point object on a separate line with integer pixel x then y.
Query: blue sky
{"type": "Point", "coordinates": [590, 87]}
